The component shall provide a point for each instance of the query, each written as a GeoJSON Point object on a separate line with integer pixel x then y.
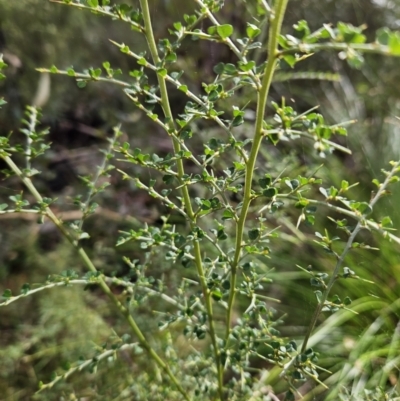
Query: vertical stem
{"type": "Point", "coordinates": [33, 115]}
{"type": "Point", "coordinates": [185, 193]}
{"type": "Point", "coordinates": [105, 288]}
{"type": "Point", "coordinates": [276, 19]}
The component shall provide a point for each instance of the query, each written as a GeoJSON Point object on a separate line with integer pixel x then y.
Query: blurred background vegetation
{"type": "Point", "coordinates": [43, 333]}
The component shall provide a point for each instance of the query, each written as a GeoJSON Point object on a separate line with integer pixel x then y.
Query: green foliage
{"type": "Point", "coordinates": [207, 262]}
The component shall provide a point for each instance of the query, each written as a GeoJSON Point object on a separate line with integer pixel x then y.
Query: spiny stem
{"type": "Point", "coordinates": [185, 192]}
{"type": "Point", "coordinates": [274, 32]}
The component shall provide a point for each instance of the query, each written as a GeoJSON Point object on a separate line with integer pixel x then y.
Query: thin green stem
{"type": "Point", "coordinates": [342, 256]}
{"type": "Point", "coordinates": [85, 206]}
{"type": "Point", "coordinates": [103, 10]}
{"type": "Point", "coordinates": [276, 20]}
{"type": "Point", "coordinates": [346, 212]}
{"type": "Point", "coordinates": [85, 364]}
{"type": "Point", "coordinates": [185, 192]}
{"type": "Point", "coordinates": [375, 48]}
{"type": "Point", "coordinates": [103, 285]}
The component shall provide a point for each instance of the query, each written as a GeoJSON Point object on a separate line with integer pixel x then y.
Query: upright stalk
{"type": "Point", "coordinates": [148, 31]}
{"type": "Point", "coordinates": [276, 19]}
{"type": "Point", "coordinates": [103, 285]}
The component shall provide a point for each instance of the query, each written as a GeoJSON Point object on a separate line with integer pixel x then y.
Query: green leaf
{"type": "Point", "coordinates": [227, 215]}
{"type": "Point", "coordinates": [364, 208]}
{"type": "Point", "coordinates": [3, 206]}
{"type": "Point", "coordinates": [386, 221]}
{"type": "Point", "coordinates": [7, 294]}
{"type": "Point", "coordinates": [290, 60]}
{"type": "Point", "coordinates": [265, 181]}
{"type": "Point", "coordinates": [162, 72]}
{"type": "Point", "coordinates": [252, 30]}
{"type": "Point", "coordinates": [383, 36]}
{"type": "Point", "coordinates": [254, 233]}
{"type": "Point", "coordinates": [183, 88]}
{"type": "Point", "coordinates": [270, 192]}
{"type": "Point", "coordinates": [394, 43]}
{"type": "Point", "coordinates": [226, 284]}
{"type": "Point", "coordinates": [247, 66]}
{"type": "Point", "coordinates": [217, 295]}
{"type": "Point", "coordinates": [212, 30]}
{"type": "Point", "coordinates": [224, 31]}
{"type": "Point", "coordinates": [302, 203]}
{"type": "Point", "coordinates": [93, 3]}
{"type": "Point", "coordinates": [219, 68]}
{"type": "Point", "coordinates": [25, 288]}
{"type": "Point", "coordinates": [230, 69]}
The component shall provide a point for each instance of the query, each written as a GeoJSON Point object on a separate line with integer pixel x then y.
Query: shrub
{"type": "Point", "coordinates": [204, 267]}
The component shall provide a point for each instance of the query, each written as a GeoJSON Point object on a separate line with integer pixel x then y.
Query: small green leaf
{"type": "Point", "coordinates": [290, 60]}
{"type": "Point", "coordinates": [226, 284]}
{"type": "Point", "coordinates": [224, 31]}
{"type": "Point", "coordinates": [386, 221]}
{"type": "Point", "coordinates": [219, 68]}
{"type": "Point", "coordinates": [302, 203]}
{"type": "Point", "coordinates": [394, 43]}
{"type": "Point", "coordinates": [162, 72]}
{"type": "Point", "coordinates": [270, 192]}
{"type": "Point", "coordinates": [254, 233]}
{"type": "Point", "coordinates": [217, 295]}
{"type": "Point", "coordinates": [265, 181]}
{"type": "Point", "coordinates": [230, 69]}
{"type": "Point", "coordinates": [252, 30]}
{"type": "Point", "coordinates": [247, 66]}
{"type": "Point", "coordinates": [25, 288]}
{"type": "Point", "coordinates": [7, 294]}
{"type": "Point", "coordinates": [227, 215]}
{"type": "Point", "coordinates": [364, 208]}
{"type": "Point", "coordinates": [183, 88]}
{"type": "Point", "coordinates": [212, 30]}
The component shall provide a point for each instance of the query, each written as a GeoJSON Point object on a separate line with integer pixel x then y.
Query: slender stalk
{"type": "Point", "coordinates": [342, 256]}
{"type": "Point", "coordinates": [375, 48]}
{"type": "Point", "coordinates": [346, 212]}
{"type": "Point", "coordinates": [185, 192]}
{"type": "Point", "coordinates": [103, 11]}
{"type": "Point", "coordinates": [276, 19]}
{"type": "Point", "coordinates": [103, 285]}
{"type": "Point", "coordinates": [104, 355]}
